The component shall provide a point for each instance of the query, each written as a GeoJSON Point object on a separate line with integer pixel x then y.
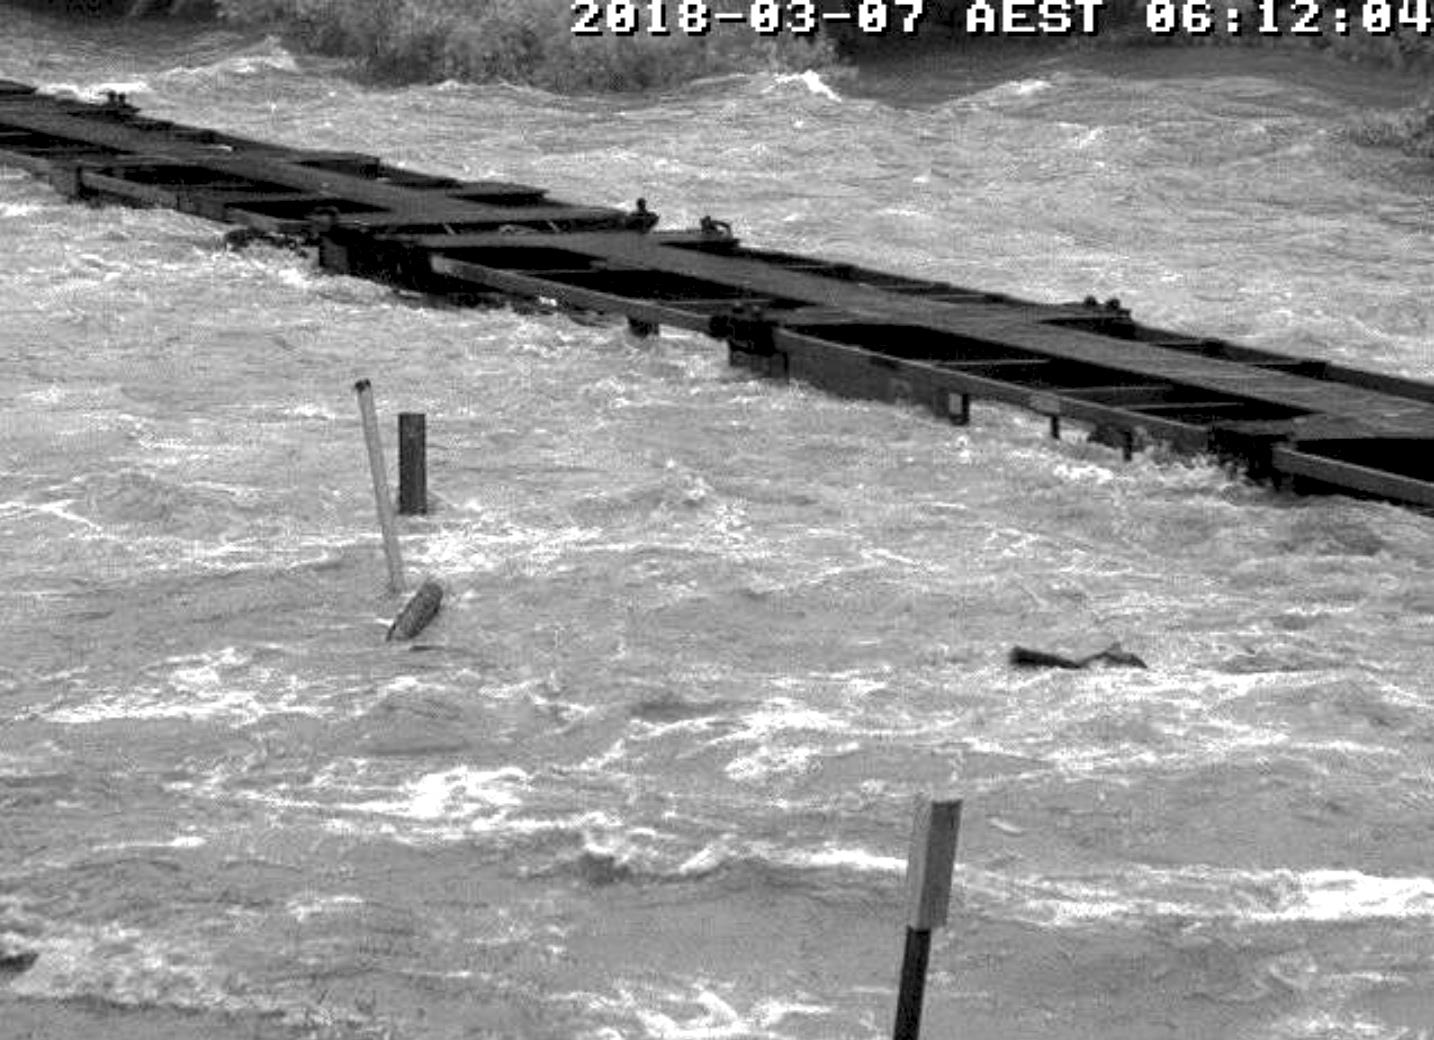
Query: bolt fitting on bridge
{"type": "Point", "coordinates": [745, 326]}
{"type": "Point", "coordinates": [713, 228]}
{"type": "Point", "coordinates": [640, 219]}
{"type": "Point", "coordinates": [1113, 305]}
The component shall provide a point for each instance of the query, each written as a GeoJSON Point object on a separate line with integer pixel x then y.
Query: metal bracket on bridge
{"type": "Point", "coordinates": [745, 327]}
{"type": "Point", "coordinates": [641, 219]}
{"type": "Point", "coordinates": [116, 103]}
{"type": "Point", "coordinates": [67, 179]}
{"type": "Point", "coordinates": [713, 228]}
{"type": "Point", "coordinates": [1109, 317]}
{"type": "Point", "coordinates": [748, 332]}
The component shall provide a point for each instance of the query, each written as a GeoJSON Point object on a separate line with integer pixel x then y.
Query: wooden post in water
{"type": "Point", "coordinates": [928, 897]}
{"type": "Point", "coordinates": [380, 485]}
{"type": "Point", "coordinates": [412, 464]}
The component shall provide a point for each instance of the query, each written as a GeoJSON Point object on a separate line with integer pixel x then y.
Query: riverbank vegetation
{"type": "Point", "coordinates": [521, 41]}
{"type": "Point", "coordinates": [533, 42]}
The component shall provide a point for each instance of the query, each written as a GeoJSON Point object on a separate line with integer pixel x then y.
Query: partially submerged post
{"type": "Point", "coordinates": [417, 612]}
{"type": "Point", "coordinates": [928, 896]}
{"type": "Point", "coordinates": [412, 464]}
{"type": "Point", "coordinates": [380, 485]}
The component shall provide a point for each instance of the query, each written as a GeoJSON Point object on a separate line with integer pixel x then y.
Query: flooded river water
{"type": "Point", "coordinates": [650, 776]}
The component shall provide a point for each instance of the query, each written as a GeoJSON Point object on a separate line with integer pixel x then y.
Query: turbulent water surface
{"type": "Point", "coordinates": [651, 773]}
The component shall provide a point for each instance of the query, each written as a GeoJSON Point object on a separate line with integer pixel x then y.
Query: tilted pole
{"type": "Point", "coordinates": [380, 485]}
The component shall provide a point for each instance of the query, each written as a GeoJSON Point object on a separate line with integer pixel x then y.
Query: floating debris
{"type": "Point", "coordinates": [15, 961]}
{"type": "Point", "coordinates": [1025, 657]}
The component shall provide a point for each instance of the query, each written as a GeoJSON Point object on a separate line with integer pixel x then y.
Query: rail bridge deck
{"type": "Point", "coordinates": [1313, 425]}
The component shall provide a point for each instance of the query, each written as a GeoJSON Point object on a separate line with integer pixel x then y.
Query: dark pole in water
{"type": "Point", "coordinates": [412, 464]}
{"type": "Point", "coordinates": [928, 896]}
{"type": "Point", "coordinates": [913, 984]}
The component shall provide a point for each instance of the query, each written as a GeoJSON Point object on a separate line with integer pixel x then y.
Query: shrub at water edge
{"type": "Point", "coordinates": [524, 41]}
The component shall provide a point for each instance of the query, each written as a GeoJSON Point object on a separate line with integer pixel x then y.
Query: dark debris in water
{"type": "Point", "coordinates": [14, 961]}
{"type": "Point", "coordinates": [1025, 657]}
{"type": "Point", "coordinates": [1318, 533]}
{"type": "Point", "coordinates": [600, 869]}
{"type": "Point", "coordinates": [669, 706]}
{"type": "Point", "coordinates": [1252, 662]}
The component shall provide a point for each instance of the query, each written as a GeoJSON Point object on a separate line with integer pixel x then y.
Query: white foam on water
{"type": "Point", "coordinates": [1140, 893]}
{"type": "Point", "coordinates": [1026, 87]}
{"type": "Point", "coordinates": [48, 395]}
{"type": "Point", "coordinates": [1083, 472]}
{"type": "Point", "coordinates": [767, 762]}
{"type": "Point", "coordinates": [94, 92]}
{"type": "Point", "coordinates": [852, 683]}
{"type": "Point", "coordinates": [123, 966]}
{"type": "Point", "coordinates": [303, 907]}
{"type": "Point", "coordinates": [272, 550]}
{"type": "Point", "coordinates": [1116, 722]}
{"type": "Point", "coordinates": [778, 714]}
{"type": "Point", "coordinates": [450, 805]}
{"type": "Point", "coordinates": [829, 857]}
{"type": "Point", "coordinates": [459, 792]}
{"type": "Point", "coordinates": [239, 705]}
{"type": "Point", "coordinates": [768, 1013]}
{"type": "Point", "coordinates": [312, 410]}
{"type": "Point", "coordinates": [645, 850]}
{"type": "Point", "coordinates": [278, 59]}
{"type": "Point", "coordinates": [224, 684]}
{"type": "Point", "coordinates": [448, 794]}
{"type": "Point", "coordinates": [644, 730]}
{"type": "Point", "coordinates": [59, 509]}
{"type": "Point", "coordinates": [812, 81]}
{"type": "Point", "coordinates": [1326, 1025]}
{"type": "Point", "coordinates": [704, 860]}
{"type": "Point", "coordinates": [184, 841]}
{"type": "Point", "coordinates": [696, 1012]}
{"type": "Point", "coordinates": [1339, 895]}
{"type": "Point", "coordinates": [467, 547]}
{"type": "Point", "coordinates": [774, 755]}
{"type": "Point", "coordinates": [19, 209]}
{"type": "Point", "coordinates": [1005, 94]}
{"type": "Point", "coordinates": [716, 1019]}
{"type": "Point", "coordinates": [861, 860]}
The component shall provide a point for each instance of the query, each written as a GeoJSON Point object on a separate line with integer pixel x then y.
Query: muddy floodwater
{"type": "Point", "coordinates": [650, 774]}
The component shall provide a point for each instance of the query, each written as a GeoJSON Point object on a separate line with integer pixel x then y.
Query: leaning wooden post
{"type": "Point", "coordinates": [928, 896]}
{"type": "Point", "coordinates": [380, 485]}
{"type": "Point", "coordinates": [412, 464]}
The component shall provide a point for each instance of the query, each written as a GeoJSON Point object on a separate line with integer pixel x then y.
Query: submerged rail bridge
{"type": "Point", "coordinates": [1307, 424]}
